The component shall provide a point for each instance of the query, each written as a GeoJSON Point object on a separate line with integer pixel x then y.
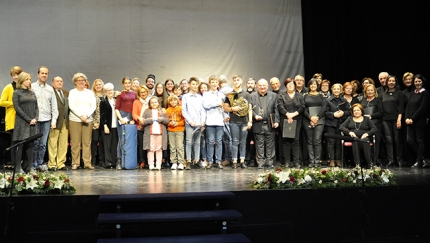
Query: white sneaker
{"type": "Point", "coordinates": [174, 166]}
{"type": "Point", "coordinates": [158, 167]}
{"type": "Point", "coordinates": [151, 167]}
{"type": "Point", "coordinates": [180, 166]}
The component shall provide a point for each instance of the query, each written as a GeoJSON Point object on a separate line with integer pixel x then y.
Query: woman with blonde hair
{"type": "Point", "coordinates": [25, 103]}
{"type": "Point", "coordinates": [139, 106]}
{"type": "Point", "coordinates": [82, 104]}
{"type": "Point", "coordinates": [374, 111]}
{"type": "Point", "coordinates": [97, 141]}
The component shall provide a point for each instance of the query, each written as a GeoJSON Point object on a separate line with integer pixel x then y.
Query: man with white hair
{"type": "Point", "coordinates": [265, 121]}
{"type": "Point", "coordinates": [383, 81]}
{"type": "Point", "coordinates": [58, 136]}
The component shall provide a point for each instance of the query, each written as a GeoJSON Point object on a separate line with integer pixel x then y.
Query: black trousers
{"type": "Point", "coordinates": [97, 147]}
{"type": "Point", "coordinates": [26, 150]}
{"type": "Point", "coordinates": [110, 142]}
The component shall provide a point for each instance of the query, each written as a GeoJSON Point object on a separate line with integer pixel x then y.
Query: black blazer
{"type": "Point", "coordinates": [106, 113]}
{"type": "Point", "coordinates": [271, 109]}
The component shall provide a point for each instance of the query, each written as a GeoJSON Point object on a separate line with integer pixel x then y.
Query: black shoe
{"type": "Point", "coordinates": [52, 169]}
{"type": "Point", "coordinates": [270, 167]}
{"type": "Point", "coordinates": [426, 163]}
{"type": "Point", "coordinates": [260, 167]}
{"type": "Point", "coordinates": [234, 166]}
{"type": "Point", "coordinates": [63, 168]}
{"type": "Point", "coordinates": [243, 165]}
{"type": "Point", "coordinates": [390, 163]}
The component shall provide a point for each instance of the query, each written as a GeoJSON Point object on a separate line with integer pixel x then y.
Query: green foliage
{"type": "Point", "coordinates": [36, 183]}
{"type": "Point", "coordinates": [281, 178]}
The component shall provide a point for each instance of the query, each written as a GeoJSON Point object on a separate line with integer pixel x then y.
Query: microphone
{"type": "Point", "coordinates": [345, 138]}
{"type": "Point", "coordinates": [27, 140]}
{"type": "Point", "coordinates": [32, 138]}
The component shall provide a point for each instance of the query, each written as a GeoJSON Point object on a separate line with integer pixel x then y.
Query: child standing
{"type": "Point", "coordinates": [176, 129]}
{"type": "Point", "coordinates": [155, 135]}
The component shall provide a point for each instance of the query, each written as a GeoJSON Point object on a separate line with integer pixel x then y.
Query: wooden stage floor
{"type": "Point", "coordinates": [111, 181]}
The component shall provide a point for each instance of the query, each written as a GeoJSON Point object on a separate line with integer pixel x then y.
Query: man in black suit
{"type": "Point", "coordinates": [265, 121]}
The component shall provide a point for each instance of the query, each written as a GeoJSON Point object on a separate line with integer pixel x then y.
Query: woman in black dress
{"type": "Point", "coordinates": [373, 110]}
{"type": "Point", "coordinates": [333, 118]}
{"type": "Point", "coordinates": [359, 127]}
{"type": "Point", "coordinates": [25, 103]}
{"type": "Point", "coordinates": [313, 122]}
{"type": "Point", "coordinates": [290, 104]}
{"type": "Point", "coordinates": [393, 105]}
{"type": "Point", "coordinates": [415, 114]}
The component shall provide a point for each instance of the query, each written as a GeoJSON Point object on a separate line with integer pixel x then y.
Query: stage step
{"type": "Point", "coordinates": [164, 196]}
{"type": "Point", "coordinates": [227, 238]}
{"type": "Point", "coordinates": [168, 217]}
{"type": "Point", "coordinates": [149, 217]}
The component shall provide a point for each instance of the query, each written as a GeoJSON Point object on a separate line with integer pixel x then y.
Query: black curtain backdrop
{"type": "Point", "coordinates": [347, 40]}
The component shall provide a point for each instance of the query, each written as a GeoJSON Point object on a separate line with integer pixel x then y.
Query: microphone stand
{"type": "Point", "coordinates": [364, 216]}
{"type": "Point", "coordinates": [9, 203]}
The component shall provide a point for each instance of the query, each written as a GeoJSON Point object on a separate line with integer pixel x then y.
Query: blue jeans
{"type": "Point", "coordinates": [39, 148]}
{"type": "Point", "coordinates": [119, 130]}
{"type": "Point", "coordinates": [227, 142]}
{"type": "Point", "coordinates": [203, 145]}
{"type": "Point", "coordinates": [192, 142]}
{"type": "Point", "coordinates": [214, 134]}
{"type": "Point", "coordinates": [238, 136]}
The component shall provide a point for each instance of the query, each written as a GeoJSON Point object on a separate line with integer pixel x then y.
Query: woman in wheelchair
{"type": "Point", "coordinates": [362, 129]}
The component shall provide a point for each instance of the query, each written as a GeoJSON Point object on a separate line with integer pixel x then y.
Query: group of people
{"type": "Point", "coordinates": [198, 124]}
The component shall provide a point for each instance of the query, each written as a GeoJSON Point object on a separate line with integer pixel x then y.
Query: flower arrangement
{"type": "Point", "coordinates": [280, 178]}
{"type": "Point", "coordinates": [36, 183]}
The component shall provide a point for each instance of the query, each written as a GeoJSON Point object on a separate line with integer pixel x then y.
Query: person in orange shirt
{"type": "Point", "coordinates": [139, 106]}
{"type": "Point", "coordinates": [176, 129]}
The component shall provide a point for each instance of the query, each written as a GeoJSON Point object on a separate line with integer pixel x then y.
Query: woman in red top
{"type": "Point", "coordinates": [123, 110]}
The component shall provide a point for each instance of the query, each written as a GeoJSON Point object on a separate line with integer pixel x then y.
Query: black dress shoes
{"type": "Point", "coordinates": [52, 169]}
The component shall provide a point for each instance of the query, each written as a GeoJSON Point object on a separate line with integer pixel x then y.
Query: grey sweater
{"type": "Point", "coordinates": [25, 104]}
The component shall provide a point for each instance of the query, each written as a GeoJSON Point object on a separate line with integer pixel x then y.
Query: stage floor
{"type": "Point", "coordinates": [111, 181]}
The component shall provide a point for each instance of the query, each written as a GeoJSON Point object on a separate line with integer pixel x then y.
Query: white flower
{"type": "Point", "coordinates": [283, 177]}
{"type": "Point", "coordinates": [353, 181]}
{"type": "Point", "coordinates": [300, 181]}
{"type": "Point", "coordinates": [365, 177]}
{"type": "Point", "coordinates": [385, 178]}
{"type": "Point", "coordinates": [308, 178]}
{"type": "Point", "coordinates": [259, 180]}
{"type": "Point", "coordinates": [335, 182]}
{"type": "Point", "coordinates": [59, 184]}
{"type": "Point", "coordinates": [31, 185]}
{"type": "Point", "coordinates": [320, 182]}
{"type": "Point", "coordinates": [2, 183]}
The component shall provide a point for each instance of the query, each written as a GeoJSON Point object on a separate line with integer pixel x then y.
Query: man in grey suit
{"type": "Point", "coordinates": [58, 136]}
{"type": "Point", "coordinates": [265, 121]}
